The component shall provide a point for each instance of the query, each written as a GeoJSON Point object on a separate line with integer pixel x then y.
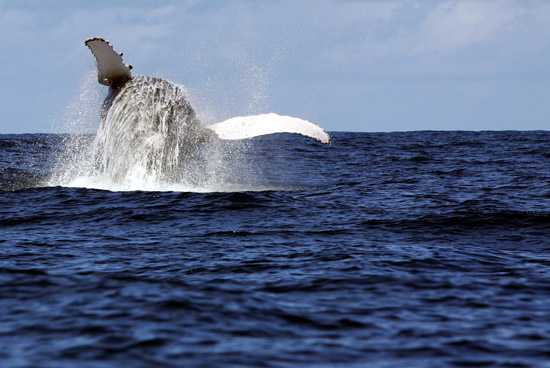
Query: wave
{"type": "Point", "coordinates": [12, 179]}
{"type": "Point", "coordinates": [468, 220]}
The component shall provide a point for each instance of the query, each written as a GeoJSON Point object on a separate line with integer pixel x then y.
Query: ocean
{"type": "Point", "coordinates": [417, 249]}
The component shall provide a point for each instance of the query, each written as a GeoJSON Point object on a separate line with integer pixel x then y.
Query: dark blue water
{"type": "Point", "coordinates": [421, 249]}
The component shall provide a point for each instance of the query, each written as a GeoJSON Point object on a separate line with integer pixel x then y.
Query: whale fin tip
{"type": "Point", "coordinates": [111, 69]}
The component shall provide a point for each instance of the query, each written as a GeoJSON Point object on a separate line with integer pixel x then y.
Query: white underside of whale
{"type": "Point", "coordinates": [243, 127]}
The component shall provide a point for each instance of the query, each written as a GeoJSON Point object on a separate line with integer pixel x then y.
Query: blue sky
{"type": "Point", "coordinates": [347, 65]}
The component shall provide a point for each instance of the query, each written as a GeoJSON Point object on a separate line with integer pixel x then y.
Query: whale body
{"type": "Point", "coordinates": [151, 124]}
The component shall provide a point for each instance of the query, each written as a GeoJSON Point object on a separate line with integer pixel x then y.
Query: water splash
{"type": "Point", "coordinates": [78, 125]}
{"type": "Point", "coordinates": [149, 139]}
{"type": "Point", "coordinates": [248, 97]}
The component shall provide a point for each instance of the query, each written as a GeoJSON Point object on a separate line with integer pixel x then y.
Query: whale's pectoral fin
{"type": "Point", "coordinates": [243, 127]}
{"type": "Point", "coordinates": [111, 70]}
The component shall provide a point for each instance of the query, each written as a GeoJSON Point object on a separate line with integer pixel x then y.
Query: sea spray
{"type": "Point", "coordinates": [78, 126]}
{"type": "Point", "coordinates": [149, 134]}
{"type": "Point", "coordinates": [148, 139]}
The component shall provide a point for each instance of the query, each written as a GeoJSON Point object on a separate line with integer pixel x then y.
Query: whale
{"type": "Point", "coordinates": [151, 124]}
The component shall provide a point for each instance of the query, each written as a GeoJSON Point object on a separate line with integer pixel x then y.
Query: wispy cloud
{"type": "Point", "coordinates": [457, 24]}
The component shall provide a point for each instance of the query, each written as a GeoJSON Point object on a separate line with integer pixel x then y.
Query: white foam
{"type": "Point", "coordinates": [105, 183]}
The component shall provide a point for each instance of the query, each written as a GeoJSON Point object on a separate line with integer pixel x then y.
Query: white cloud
{"type": "Point", "coordinates": [458, 24]}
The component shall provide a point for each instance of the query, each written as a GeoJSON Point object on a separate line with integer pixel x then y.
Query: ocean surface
{"type": "Point", "coordinates": [418, 249]}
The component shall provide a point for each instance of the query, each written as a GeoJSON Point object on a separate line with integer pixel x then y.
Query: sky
{"type": "Point", "coordinates": [348, 65]}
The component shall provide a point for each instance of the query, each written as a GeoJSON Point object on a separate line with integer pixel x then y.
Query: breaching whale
{"type": "Point", "coordinates": [150, 122]}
